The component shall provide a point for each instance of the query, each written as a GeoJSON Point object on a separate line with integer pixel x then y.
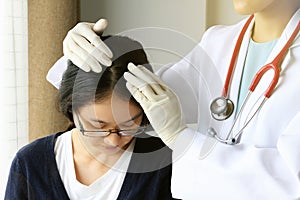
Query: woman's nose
{"type": "Point", "coordinates": [113, 139]}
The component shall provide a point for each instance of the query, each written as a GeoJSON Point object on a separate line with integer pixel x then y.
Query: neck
{"type": "Point", "coordinates": [270, 23]}
{"type": "Point", "coordinates": [88, 168]}
{"type": "Point", "coordinates": [83, 155]}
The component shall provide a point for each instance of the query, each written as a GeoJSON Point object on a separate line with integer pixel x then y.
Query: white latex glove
{"type": "Point", "coordinates": [84, 47]}
{"type": "Point", "coordinates": [160, 103]}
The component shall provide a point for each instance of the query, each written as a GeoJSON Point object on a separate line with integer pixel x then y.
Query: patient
{"type": "Point", "coordinates": [105, 153]}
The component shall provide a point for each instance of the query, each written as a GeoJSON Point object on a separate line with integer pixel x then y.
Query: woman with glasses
{"type": "Point", "coordinates": [105, 153]}
{"type": "Point", "coordinates": [254, 152]}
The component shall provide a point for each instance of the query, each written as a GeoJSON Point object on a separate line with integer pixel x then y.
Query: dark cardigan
{"type": "Point", "coordinates": [34, 173]}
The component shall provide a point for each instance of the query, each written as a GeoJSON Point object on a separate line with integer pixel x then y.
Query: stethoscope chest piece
{"type": "Point", "coordinates": [221, 108]}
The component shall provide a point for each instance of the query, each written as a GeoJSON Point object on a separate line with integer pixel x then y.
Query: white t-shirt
{"type": "Point", "coordinates": [105, 187]}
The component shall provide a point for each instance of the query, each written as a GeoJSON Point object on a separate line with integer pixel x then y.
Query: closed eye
{"type": "Point", "coordinates": [131, 122]}
{"type": "Point", "coordinates": [128, 124]}
{"type": "Point", "coordinates": [95, 124]}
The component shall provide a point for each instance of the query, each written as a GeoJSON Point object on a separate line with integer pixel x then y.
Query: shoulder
{"type": "Point", "coordinates": [37, 149]}
{"type": "Point", "coordinates": [221, 33]}
{"type": "Point", "coordinates": [38, 144]}
{"type": "Point", "coordinates": [33, 171]}
{"type": "Point", "coordinates": [30, 157]}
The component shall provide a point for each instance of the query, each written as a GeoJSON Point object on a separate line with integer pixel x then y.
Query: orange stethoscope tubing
{"type": "Point", "coordinates": [272, 65]}
{"type": "Point", "coordinates": [222, 107]}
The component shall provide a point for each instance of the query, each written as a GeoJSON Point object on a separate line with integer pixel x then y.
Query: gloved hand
{"type": "Point", "coordinates": [160, 103]}
{"type": "Point", "coordinates": [84, 47]}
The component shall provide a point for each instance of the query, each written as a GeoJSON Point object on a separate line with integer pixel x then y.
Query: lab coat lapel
{"type": "Point", "coordinates": [236, 79]}
{"type": "Point", "coordinates": [288, 31]}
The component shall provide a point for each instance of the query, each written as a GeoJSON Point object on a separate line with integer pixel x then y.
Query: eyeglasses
{"type": "Point", "coordinates": [102, 133]}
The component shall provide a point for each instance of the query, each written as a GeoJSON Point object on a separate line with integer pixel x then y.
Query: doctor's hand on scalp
{"type": "Point", "coordinates": [159, 102]}
{"type": "Point", "coordinates": [84, 47]}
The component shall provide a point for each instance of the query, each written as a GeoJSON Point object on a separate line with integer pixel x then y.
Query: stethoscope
{"type": "Point", "coordinates": [222, 107]}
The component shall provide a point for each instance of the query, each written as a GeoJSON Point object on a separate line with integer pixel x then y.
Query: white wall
{"type": "Point", "coordinates": [168, 29]}
{"type": "Point", "coordinates": [181, 23]}
{"type": "Point", "coordinates": [188, 18]}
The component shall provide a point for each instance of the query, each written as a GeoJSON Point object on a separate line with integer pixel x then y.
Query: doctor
{"type": "Point", "coordinates": [263, 160]}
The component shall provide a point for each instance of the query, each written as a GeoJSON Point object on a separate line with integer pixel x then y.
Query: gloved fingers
{"type": "Point", "coordinates": [101, 46]}
{"type": "Point", "coordinates": [138, 95]}
{"type": "Point", "coordinates": [81, 58]}
{"type": "Point", "coordinates": [144, 89]}
{"type": "Point", "coordinates": [92, 35]}
{"type": "Point", "coordinates": [145, 77]}
{"type": "Point", "coordinates": [89, 50]}
{"type": "Point", "coordinates": [74, 58]}
{"type": "Point", "coordinates": [86, 31]}
{"type": "Point", "coordinates": [153, 76]}
{"type": "Point", "coordinates": [163, 88]}
{"type": "Point", "coordinates": [100, 26]}
{"type": "Point", "coordinates": [78, 61]}
{"type": "Point", "coordinates": [90, 42]}
{"type": "Point", "coordinates": [135, 81]}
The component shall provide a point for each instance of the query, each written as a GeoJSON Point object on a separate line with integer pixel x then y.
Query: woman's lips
{"type": "Point", "coordinates": [111, 148]}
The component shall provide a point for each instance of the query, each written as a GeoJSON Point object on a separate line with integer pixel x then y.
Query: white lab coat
{"type": "Point", "coordinates": [266, 164]}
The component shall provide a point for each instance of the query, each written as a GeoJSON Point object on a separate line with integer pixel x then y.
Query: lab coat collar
{"type": "Point", "coordinates": [236, 78]}
{"type": "Point", "coordinates": [237, 75]}
{"type": "Point", "coordinates": [288, 31]}
{"type": "Point", "coordinates": [291, 27]}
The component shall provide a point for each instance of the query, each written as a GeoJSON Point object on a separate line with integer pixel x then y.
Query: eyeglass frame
{"type": "Point", "coordinates": [139, 130]}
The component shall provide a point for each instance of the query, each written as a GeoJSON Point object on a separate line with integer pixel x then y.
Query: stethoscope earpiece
{"type": "Point", "coordinates": [221, 108]}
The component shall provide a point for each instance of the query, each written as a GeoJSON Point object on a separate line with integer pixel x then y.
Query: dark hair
{"type": "Point", "coordinates": [79, 88]}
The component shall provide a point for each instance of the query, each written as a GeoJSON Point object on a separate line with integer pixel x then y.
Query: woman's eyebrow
{"type": "Point", "coordinates": [104, 122]}
{"type": "Point", "coordinates": [134, 117]}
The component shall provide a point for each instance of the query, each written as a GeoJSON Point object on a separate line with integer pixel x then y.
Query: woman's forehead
{"type": "Point", "coordinates": [109, 110]}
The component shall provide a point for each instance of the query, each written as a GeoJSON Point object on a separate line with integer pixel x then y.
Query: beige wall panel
{"type": "Point", "coordinates": [48, 23]}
